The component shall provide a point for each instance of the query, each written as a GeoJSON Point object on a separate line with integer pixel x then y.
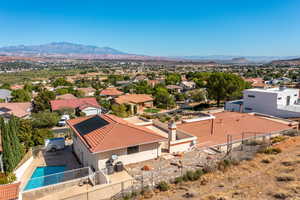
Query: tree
{"type": "Point", "coordinates": [42, 100]}
{"type": "Point", "coordinates": [12, 149]}
{"type": "Point", "coordinates": [25, 133]}
{"type": "Point", "coordinates": [45, 119]}
{"type": "Point", "coordinates": [40, 135]}
{"type": "Point", "coordinates": [61, 82]}
{"type": "Point", "coordinates": [173, 79]}
{"type": "Point", "coordinates": [163, 99]}
{"type": "Point", "coordinates": [198, 95]}
{"type": "Point", "coordinates": [120, 110]}
{"type": "Point", "coordinates": [15, 143]}
{"type": "Point", "coordinates": [5, 86]}
{"type": "Point", "coordinates": [20, 95]}
{"type": "Point", "coordinates": [225, 86]}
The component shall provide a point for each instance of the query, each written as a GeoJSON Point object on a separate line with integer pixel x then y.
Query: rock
{"type": "Point", "coordinates": [188, 195]}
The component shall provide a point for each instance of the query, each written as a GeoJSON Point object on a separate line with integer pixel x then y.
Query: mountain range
{"type": "Point", "coordinates": [60, 48]}
{"type": "Point", "coordinates": [71, 50]}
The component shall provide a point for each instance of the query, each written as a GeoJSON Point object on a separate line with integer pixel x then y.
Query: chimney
{"type": "Point", "coordinates": [172, 130]}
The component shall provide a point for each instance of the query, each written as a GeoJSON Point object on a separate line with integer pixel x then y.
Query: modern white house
{"type": "Point", "coordinates": [280, 102]}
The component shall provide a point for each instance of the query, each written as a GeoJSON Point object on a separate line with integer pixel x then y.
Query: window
{"type": "Point", "coordinates": [279, 98]}
{"type": "Point", "coordinates": [248, 108]}
{"type": "Point", "coordinates": [134, 149]}
{"type": "Point", "coordinates": [251, 96]}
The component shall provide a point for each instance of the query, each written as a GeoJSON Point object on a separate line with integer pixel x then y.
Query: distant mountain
{"type": "Point", "coordinates": [295, 61]}
{"type": "Point", "coordinates": [229, 59]}
{"type": "Point", "coordinates": [60, 48]}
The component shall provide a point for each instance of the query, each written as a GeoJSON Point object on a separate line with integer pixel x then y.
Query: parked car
{"type": "Point", "coordinates": [55, 144]}
{"type": "Point", "coordinates": [63, 119]}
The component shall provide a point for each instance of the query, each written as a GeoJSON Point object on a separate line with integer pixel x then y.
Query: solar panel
{"type": "Point", "coordinates": [90, 125]}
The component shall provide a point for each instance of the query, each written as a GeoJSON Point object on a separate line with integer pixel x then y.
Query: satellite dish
{"type": "Point", "coordinates": [114, 157]}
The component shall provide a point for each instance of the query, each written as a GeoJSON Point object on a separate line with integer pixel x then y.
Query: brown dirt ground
{"type": "Point", "coordinates": [253, 180]}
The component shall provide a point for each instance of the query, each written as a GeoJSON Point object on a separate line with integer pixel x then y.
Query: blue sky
{"type": "Point", "coordinates": [158, 27]}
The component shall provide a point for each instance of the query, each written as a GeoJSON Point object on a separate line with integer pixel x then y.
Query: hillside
{"type": "Point", "coordinates": [295, 61]}
{"type": "Point", "coordinates": [264, 177]}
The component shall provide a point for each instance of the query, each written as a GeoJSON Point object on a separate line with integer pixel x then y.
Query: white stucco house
{"type": "Point", "coordinates": [280, 102]}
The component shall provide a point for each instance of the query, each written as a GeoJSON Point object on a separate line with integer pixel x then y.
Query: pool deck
{"type": "Point", "coordinates": [62, 157]}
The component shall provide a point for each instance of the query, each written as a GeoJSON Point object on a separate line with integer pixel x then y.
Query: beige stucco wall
{"type": "Point", "coordinates": [146, 152]}
{"type": "Point", "coordinates": [97, 160]}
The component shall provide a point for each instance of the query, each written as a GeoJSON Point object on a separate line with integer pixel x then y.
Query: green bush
{"type": "Point", "coordinates": [178, 180]}
{"type": "Point", "coordinates": [277, 139]}
{"type": "Point", "coordinates": [7, 178]}
{"type": "Point", "coordinates": [163, 186]}
{"type": "Point", "coordinates": [271, 150]}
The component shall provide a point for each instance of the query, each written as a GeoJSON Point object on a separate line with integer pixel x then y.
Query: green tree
{"type": "Point", "coordinates": [40, 135]}
{"type": "Point", "coordinates": [12, 149]}
{"type": "Point", "coordinates": [225, 86]}
{"type": "Point", "coordinates": [163, 99]}
{"type": "Point", "coordinates": [120, 110]}
{"type": "Point", "coordinates": [25, 133]}
{"type": "Point", "coordinates": [61, 82]}
{"type": "Point", "coordinates": [173, 79]}
{"type": "Point", "coordinates": [42, 100]}
{"type": "Point", "coordinates": [20, 95]}
{"type": "Point", "coordinates": [5, 86]}
{"type": "Point", "coordinates": [45, 119]}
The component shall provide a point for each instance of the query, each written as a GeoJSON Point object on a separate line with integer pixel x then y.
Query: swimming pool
{"type": "Point", "coordinates": [47, 175]}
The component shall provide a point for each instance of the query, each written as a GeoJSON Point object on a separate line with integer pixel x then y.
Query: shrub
{"type": "Point", "coordinates": [285, 178]}
{"type": "Point", "coordinates": [277, 139]}
{"type": "Point", "coordinates": [7, 178]}
{"type": "Point", "coordinates": [270, 150]}
{"type": "Point", "coordinates": [178, 180]}
{"type": "Point", "coordinates": [163, 186]}
{"type": "Point", "coordinates": [253, 142]}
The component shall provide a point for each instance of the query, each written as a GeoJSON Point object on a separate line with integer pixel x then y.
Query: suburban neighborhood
{"type": "Point", "coordinates": [149, 100]}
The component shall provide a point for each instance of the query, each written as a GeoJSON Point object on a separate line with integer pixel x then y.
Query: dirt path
{"type": "Point", "coordinates": [255, 179]}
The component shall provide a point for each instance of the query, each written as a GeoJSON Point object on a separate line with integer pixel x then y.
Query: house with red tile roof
{"type": "Point", "coordinates": [111, 92]}
{"type": "Point", "coordinates": [89, 106]}
{"type": "Point", "coordinates": [100, 139]}
{"type": "Point", "coordinates": [137, 101]}
{"type": "Point", "coordinates": [214, 129]}
{"type": "Point", "coordinates": [21, 110]}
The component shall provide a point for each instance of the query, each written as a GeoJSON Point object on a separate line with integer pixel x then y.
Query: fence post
{"type": "Point", "coordinates": [242, 145]}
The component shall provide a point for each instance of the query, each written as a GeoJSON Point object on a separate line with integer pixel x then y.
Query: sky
{"type": "Point", "coordinates": [158, 27]}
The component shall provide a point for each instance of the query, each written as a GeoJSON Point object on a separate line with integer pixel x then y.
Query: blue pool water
{"type": "Point", "coordinates": [40, 176]}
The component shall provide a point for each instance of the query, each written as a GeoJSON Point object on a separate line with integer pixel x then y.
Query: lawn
{"type": "Point", "coordinates": [151, 110]}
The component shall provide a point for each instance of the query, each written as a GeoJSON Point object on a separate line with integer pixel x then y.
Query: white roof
{"type": "Point", "coordinates": [271, 90]}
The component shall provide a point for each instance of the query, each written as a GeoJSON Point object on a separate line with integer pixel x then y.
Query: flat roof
{"type": "Point", "coordinates": [214, 132]}
{"type": "Point", "coordinates": [270, 90]}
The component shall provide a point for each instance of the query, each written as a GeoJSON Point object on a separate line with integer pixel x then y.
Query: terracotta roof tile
{"type": "Point", "coordinates": [231, 123]}
{"type": "Point", "coordinates": [9, 191]}
{"type": "Point", "coordinates": [111, 92]}
{"type": "Point", "coordinates": [74, 103]}
{"type": "Point", "coordinates": [133, 98]}
{"type": "Point", "coordinates": [17, 109]}
{"type": "Point", "coordinates": [117, 134]}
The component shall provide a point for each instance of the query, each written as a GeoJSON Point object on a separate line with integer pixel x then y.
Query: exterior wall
{"type": "Point", "coordinates": [262, 102]}
{"type": "Point", "coordinates": [271, 103]}
{"type": "Point", "coordinates": [92, 111]}
{"type": "Point", "coordinates": [234, 107]}
{"type": "Point", "coordinates": [146, 152]}
{"type": "Point", "coordinates": [98, 160]}
{"type": "Point", "coordinates": [83, 154]}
